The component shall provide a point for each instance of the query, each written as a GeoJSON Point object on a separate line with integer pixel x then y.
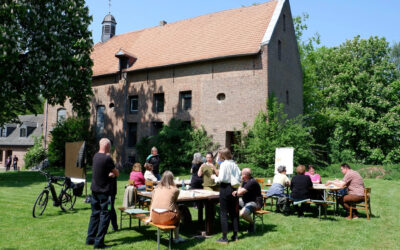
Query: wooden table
{"type": "Point", "coordinates": [210, 198]}
{"type": "Point", "coordinates": [326, 188]}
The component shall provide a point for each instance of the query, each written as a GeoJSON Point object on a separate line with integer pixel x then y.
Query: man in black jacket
{"type": "Point", "coordinates": [154, 159]}
{"type": "Point", "coordinates": [102, 188]}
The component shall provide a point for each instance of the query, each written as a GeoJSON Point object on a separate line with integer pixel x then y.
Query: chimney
{"type": "Point", "coordinates": [163, 22]}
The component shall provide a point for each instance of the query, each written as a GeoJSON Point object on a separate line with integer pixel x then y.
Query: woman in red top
{"type": "Point", "coordinates": [137, 176]}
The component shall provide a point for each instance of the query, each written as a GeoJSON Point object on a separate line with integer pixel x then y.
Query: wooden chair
{"type": "Point", "coordinates": [260, 181]}
{"type": "Point", "coordinates": [366, 204]}
{"type": "Point", "coordinates": [149, 186]}
{"type": "Point", "coordinates": [259, 214]}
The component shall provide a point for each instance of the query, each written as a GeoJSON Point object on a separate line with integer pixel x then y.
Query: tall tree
{"type": "Point", "coordinates": [44, 51]}
{"type": "Point", "coordinates": [355, 102]}
{"type": "Point", "coordinates": [396, 55]}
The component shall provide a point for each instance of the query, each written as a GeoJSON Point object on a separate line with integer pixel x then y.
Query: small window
{"type": "Point", "coordinates": [287, 97]}
{"type": "Point", "coordinates": [100, 121]}
{"type": "Point", "coordinates": [3, 132]}
{"type": "Point", "coordinates": [107, 29]}
{"type": "Point", "coordinates": [221, 97]}
{"type": "Point", "coordinates": [1, 155]}
{"type": "Point", "coordinates": [61, 115]}
{"type": "Point", "coordinates": [156, 128]}
{"type": "Point", "coordinates": [132, 134]}
{"type": "Point", "coordinates": [158, 103]}
{"type": "Point", "coordinates": [279, 50]}
{"type": "Point", "coordinates": [284, 22]}
{"type": "Point", "coordinates": [22, 132]}
{"type": "Point", "coordinates": [111, 105]}
{"type": "Point", "coordinates": [185, 99]}
{"type": "Point", "coordinates": [133, 104]}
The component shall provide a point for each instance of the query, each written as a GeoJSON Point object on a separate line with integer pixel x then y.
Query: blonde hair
{"type": "Point", "coordinates": [137, 167]}
{"type": "Point", "coordinates": [225, 154]}
{"type": "Point", "coordinates": [167, 179]}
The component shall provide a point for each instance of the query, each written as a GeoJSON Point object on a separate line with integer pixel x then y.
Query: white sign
{"type": "Point", "coordinates": [284, 157]}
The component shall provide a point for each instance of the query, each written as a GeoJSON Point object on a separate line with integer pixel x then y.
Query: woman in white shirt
{"type": "Point", "coordinates": [148, 174]}
{"type": "Point", "coordinates": [229, 173]}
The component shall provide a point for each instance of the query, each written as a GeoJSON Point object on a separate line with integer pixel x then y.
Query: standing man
{"type": "Point", "coordinates": [252, 199]}
{"type": "Point", "coordinates": [154, 159]}
{"type": "Point", "coordinates": [102, 188]}
{"type": "Point", "coordinates": [355, 185]}
{"type": "Point", "coordinates": [15, 163]}
{"type": "Point", "coordinates": [8, 163]}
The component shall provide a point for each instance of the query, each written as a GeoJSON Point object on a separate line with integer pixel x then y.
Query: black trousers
{"type": "Point", "coordinates": [228, 204]}
{"type": "Point", "coordinates": [113, 214]}
{"type": "Point", "coordinates": [99, 219]}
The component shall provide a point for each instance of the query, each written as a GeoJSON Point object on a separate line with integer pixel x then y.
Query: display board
{"type": "Point", "coordinates": [284, 157]}
{"type": "Point", "coordinates": [71, 155]}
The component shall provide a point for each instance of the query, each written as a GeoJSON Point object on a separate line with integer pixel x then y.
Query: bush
{"type": "Point", "coordinates": [176, 144]}
{"type": "Point", "coordinates": [71, 130]}
{"type": "Point", "coordinates": [271, 130]}
{"type": "Point", "coordinates": [35, 154]}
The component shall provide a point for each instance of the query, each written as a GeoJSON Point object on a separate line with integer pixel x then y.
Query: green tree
{"type": "Point", "coordinates": [355, 101]}
{"type": "Point", "coordinates": [396, 55]}
{"type": "Point", "coordinates": [35, 154]}
{"type": "Point", "coordinates": [176, 144]}
{"type": "Point", "coordinates": [71, 130]}
{"type": "Point", "coordinates": [45, 52]}
{"type": "Point", "coordinates": [272, 129]}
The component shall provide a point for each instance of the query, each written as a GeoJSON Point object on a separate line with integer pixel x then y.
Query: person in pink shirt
{"type": "Point", "coordinates": [137, 176]}
{"type": "Point", "coordinates": [315, 178]}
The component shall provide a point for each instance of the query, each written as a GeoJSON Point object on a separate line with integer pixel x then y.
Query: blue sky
{"type": "Point", "coordinates": [334, 20]}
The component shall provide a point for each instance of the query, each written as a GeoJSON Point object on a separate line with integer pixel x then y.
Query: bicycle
{"type": "Point", "coordinates": [66, 199]}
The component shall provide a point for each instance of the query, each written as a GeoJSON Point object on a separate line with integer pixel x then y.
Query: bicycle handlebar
{"type": "Point", "coordinates": [52, 178]}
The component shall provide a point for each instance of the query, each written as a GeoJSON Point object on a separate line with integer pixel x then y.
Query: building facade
{"type": "Point", "coordinates": [16, 139]}
{"type": "Point", "coordinates": [216, 71]}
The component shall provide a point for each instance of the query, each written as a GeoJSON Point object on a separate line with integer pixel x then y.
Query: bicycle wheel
{"type": "Point", "coordinates": [67, 199]}
{"type": "Point", "coordinates": [40, 203]}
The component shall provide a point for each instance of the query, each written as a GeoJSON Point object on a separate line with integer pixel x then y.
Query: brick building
{"type": "Point", "coordinates": [215, 70]}
{"type": "Point", "coordinates": [16, 139]}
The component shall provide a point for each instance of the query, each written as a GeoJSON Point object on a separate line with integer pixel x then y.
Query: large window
{"type": "Point", "coordinates": [100, 121]}
{"type": "Point", "coordinates": [158, 103]}
{"type": "Point", "coordinates": [61, 115]}
{"type": "Point", "coordinates": [156, 128]}
{"type": "Point", "coordinates": [185, 100]}
{"type": "Point", "coordinates": [133, 104]}
{"type": "Point", "coordinates": [132, 134]}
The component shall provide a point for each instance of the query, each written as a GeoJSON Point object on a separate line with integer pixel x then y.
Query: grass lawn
{"type": "Point", "coordinates": [67, 230]}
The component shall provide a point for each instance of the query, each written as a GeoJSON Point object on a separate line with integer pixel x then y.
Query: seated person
{"type": "Point", "coordinates": [206, 170]}
{"type": "Point", "coordinates": [315, 178]}
{"type": "Point", "coordinates": [164, 209]}
{"type": "Point", "coordinates": [279, 183]}
{"type": "Point", "coordinates": [301, 186]}
{"type": "Point", "coordinates": [137, 176]}
{"type": "Point", "coordinates": [148, 174]}
{"type": "Point", "coordinates": [251, 200]}
{"type": "Point", "coordinates": [355, 186]}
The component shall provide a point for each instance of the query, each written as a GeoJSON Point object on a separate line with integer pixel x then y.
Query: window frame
{"type": "Point", "coordinates": [100, 132]}
{"type": "Point", "coordinates": [59, 117]}
{"type": "Point", "coordinates": [183, 99]}
{"type": "Point", "coordinates": [156, 101]}
{"type": "Point", "coordinates": [131, 98]}
{"type": "Point", "coordinates": [132, 141]}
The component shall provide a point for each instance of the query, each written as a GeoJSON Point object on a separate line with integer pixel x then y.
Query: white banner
{"type": "Point", "coordinates": [284, 157]}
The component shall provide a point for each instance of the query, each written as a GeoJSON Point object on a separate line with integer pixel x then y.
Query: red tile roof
{"type": "Point", "coordinates": [226, 33]}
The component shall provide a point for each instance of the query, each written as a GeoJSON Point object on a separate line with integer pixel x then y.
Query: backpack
{"type": "Point", "coordinates": [283, 205]}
